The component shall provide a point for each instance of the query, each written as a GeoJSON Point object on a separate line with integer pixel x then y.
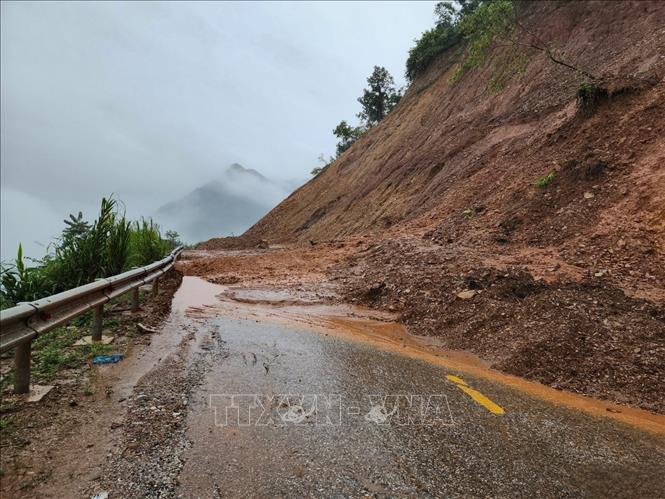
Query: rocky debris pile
{"type": "Point", "coordinates": [585, 336]}
{"type": "Point", "coordinates": [233, 243]}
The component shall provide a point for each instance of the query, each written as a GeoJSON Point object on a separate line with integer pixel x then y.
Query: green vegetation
{"type": "Point", "coordinates": [84, 251]}
{"type": "Point", "coordinates": [480, 26]}
{"type": "Point", "coordinates": [589, 95]}
{"type": "Point", "coordinates": [173, 239]}
{"type": "Point", "coordinates": [347, 135]}
{"type": "Point", "coordinates": [324, 163]}
{"type": "Point", "coordinates": [146, 243]}
{"type": "Point", "coordinates": [487, 22]}
{"type": "Point", "coordinates": [476, 23]}
{"type": "Point", "coordinates": [545, 180]}
{"type": "Point", "coordinates": [377, 100]}
{"type": "Point", "coordinates": [444, 36]}
{"type": "Point", "coordinates": [54, 351]}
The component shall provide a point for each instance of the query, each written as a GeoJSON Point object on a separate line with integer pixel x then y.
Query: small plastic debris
{"type": "Point", "coordinates": [103, 494]}
{"type": "Point", "coordinates": [108, 359]}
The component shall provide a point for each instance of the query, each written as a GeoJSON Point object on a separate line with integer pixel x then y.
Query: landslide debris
{"type": "Point", "coordinates": [524, 223]}
{"type": "Point", "coordinates": [587, 337]}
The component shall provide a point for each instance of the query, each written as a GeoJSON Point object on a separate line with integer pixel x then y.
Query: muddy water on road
{"type": "Point", "coordinates": [296, 408]}
{"type": "Point", "coordinates": [304, 310]}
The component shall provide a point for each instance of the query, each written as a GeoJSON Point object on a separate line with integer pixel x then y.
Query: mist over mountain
{"type": "Point", "coordinates": [223, 206]}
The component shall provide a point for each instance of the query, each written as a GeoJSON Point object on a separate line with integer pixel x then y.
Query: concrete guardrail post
{"type": "Point", "coordinates": [97, 320]}
{"type": "Point", "coordinates": [155, 287]}
{"type": "Point", "coordinates": [22, 367]}
{"type": "Point", "coordinates": [135, 299]}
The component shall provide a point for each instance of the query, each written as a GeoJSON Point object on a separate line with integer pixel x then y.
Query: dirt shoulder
{"type": "Point", "coordinates": [81, 415]}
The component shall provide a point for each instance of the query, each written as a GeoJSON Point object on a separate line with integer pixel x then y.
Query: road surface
{"type": "Point", "coordinates": [258, 393]}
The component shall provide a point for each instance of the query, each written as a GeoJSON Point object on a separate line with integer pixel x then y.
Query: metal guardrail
{"type": "Point", "coordinates": [21, 324]}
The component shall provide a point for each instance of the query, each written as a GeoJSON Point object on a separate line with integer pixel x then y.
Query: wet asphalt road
{"type": "Point", "coordinates": [284, 411]}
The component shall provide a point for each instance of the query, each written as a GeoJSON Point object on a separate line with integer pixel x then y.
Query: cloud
{"type": "Point", "coordinates": [149, 100]}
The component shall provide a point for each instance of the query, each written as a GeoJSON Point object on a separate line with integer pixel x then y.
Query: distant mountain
{"type": "Point", "coordinates": [224, 206]}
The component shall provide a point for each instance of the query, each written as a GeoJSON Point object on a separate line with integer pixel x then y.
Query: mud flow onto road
{"type": "Point", "coordinates": [309, 398]}
{"type": "Point", "coordinates": [305, 310]}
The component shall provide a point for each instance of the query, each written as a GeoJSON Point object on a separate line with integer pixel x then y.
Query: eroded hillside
{"type": "Point", "coordinates": [562, 281]}
{"type": "Point", "coordinates": [449, 147]}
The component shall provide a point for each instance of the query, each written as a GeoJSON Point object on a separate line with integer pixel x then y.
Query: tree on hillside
{"type": "Point", "coordinates": [445, 14]}
{"type": "Point", "coordinates": [442, 37]}
{"type": "Point", "coordinates": [347, 135]}
{"type": "Point", "coordinates": [465, 7]}
{"type": "Point", "coordinates": [481, 26]}
{"type": "Point", "coordinates": [379, 98]}
{"type": "Point", "coordinates": [173, 238]}
{"type": "Point", "coordinates": [377, 101]}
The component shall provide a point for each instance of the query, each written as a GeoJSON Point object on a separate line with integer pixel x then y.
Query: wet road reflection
{"type": "Point", "coordinates": [287, 411]}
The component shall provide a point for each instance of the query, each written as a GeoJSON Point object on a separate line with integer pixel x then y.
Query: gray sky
{"type": "Point", "coordinates": [149, 100]}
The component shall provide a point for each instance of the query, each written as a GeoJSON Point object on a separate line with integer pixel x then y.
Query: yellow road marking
{"type": "Point", "coordinates": [475, 395]}
{"type": "Point", "coordinates": [456, 379]}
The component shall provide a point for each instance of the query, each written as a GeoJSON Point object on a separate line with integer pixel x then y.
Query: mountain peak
{"type": "Point", "coordinates": [238, 169]}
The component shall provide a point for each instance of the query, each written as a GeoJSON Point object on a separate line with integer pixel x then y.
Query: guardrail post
{"type": "Point", "coordinates": [22, 367]}
{"type": "Point", "coordinates": [135, 299]}
{"type": "Point", "coordinates": [155, 287]}
{"type": "Point", "coordinates": [97, 318]}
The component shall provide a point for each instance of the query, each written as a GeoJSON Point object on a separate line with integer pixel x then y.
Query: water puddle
{"type": "Point", "coordinates": [195, 292]}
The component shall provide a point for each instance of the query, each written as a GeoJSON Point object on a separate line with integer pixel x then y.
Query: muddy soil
{"type": "Point", "coordinates": [517, 222]}
{"type": "Point", "coordinates": [585, 336]}
{"type": "Point", "coordinates": [580, 334]}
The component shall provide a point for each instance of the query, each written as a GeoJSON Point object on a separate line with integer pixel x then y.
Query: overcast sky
{"type": "Point", "coordinates": [149, 100]}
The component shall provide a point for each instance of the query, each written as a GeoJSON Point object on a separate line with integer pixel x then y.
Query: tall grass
{"type": "Point", "coordinates": [146, 243]}
{"type": "Point", "coordinates": [118, 246]}
{"type": "Point", "coordinates": [84, 252]}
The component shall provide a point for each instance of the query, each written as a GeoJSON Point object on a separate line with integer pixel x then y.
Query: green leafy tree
{"type": "Point", "coordinates": [379, 98]}
{"type": "Point", "coordinates": [173, 238]}
{"type": "Point", "coordinates": [377, 101]}
{"type": "Point", "coordinates": [489, 22]}
{"type": "Point", "coordinates": [75, 227]}
{"type": "Point", "coordinates": [466, 7]}
{"type": "Point", "coordinates": [347, 135]}
{"type": "Point", "coordinates": [445, 14]}
{"type": "Point", "coordinates": [441, 38]}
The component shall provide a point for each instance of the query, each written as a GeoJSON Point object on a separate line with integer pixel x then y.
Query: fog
{"type": "Point", "coordinates": [148, 101]}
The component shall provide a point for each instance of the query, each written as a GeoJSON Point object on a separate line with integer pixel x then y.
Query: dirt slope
{"type": "Point", "coordinates": [444, 191]}
{"type": "Point", "coordinates": [450, 147]}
